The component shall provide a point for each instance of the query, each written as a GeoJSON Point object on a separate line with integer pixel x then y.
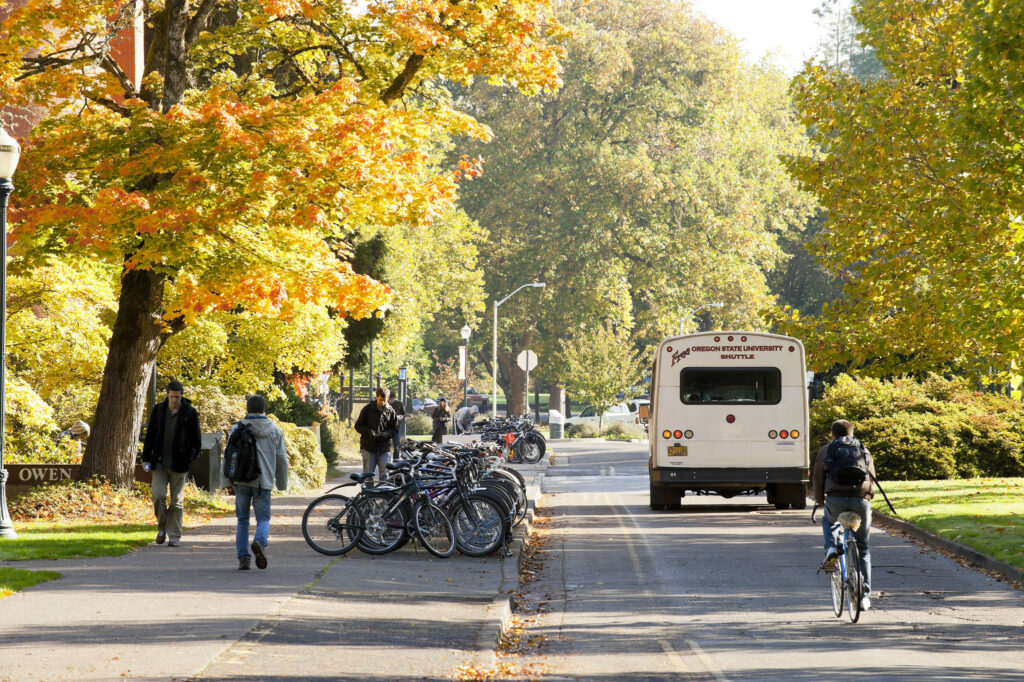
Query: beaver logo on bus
{"type": "Point", "coordinates": [679, 355]}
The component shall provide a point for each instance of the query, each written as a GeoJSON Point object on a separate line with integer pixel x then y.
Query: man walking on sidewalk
{"type": "Point", "coordinates": [375, 424]}
{"type": "Point", "coordinates": [173, 441]}
{"type": "Point", "coordinates": [273, 459]}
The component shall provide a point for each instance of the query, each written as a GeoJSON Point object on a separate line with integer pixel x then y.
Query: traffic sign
{"type": "Point", "coordinates": [527, 360]}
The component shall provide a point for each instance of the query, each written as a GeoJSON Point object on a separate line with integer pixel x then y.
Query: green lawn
{"type": "Point", "coordinates": [72, 540]}
{"type": "Point", "coordinates": [986, 514]}
{"type": "Point", "coordinates": [14, 579]}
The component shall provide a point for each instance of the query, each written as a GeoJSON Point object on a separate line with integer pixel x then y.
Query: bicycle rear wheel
{"type": "Point", "coordinates": [383, 531]}
{"type": "Point", "coordinates": [854, 580]}
{"type": "Point", "coordinates": [332, 525]}
{"type": "Point", "coordinates": [530, 448]}
{"type": "Point", "coordinates": [838, 588]}
{"type": "Point", "coordinates": [434, 529]}
{"type": "Point", "coordinates": [479, 524]}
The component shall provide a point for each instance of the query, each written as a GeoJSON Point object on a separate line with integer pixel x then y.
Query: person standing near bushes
{"type": "Point", "coordinates": [396, 436]}
{"type": "Point", "coordinates": [375, 424]}
{"type": "Point", "coordinates": [273, 459]}
{"type": "Point", "coordinates": [173, 441]}
{"type": "Point", "coordinates": [440, 418]}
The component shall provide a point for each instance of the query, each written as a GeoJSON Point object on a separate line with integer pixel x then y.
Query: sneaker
{"type": "Point", "coordinates": [257, 551]}
{"type": "Point", "coordinates": [831, 562]}
{"type": "Point", "coordinates": [173, 542]}
{"type": "Point", "coordinates": [865, 604]}
{"type": "Point", "coordinates": [160, 537]}
{"type": "Point", "coordinates": [243, 564]}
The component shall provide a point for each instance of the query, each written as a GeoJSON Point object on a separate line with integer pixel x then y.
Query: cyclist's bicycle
{"type": "Point", "coordinates": [847, 581]}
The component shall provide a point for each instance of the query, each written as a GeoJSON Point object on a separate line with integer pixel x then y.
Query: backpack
{"type": "Point", "coordinates": [846, 463]}
{"type": "Point", "coordinates": [241, 459]}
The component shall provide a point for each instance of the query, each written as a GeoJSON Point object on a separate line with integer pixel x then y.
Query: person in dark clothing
{"type": "Point", "coordinates": [440, 417]}
{"type": "Point", "coordinates": [375, 424]}
{"type": "Point", "coordinates": [396, 436]}
{"type": "Point", "coordinates": [173, 441]}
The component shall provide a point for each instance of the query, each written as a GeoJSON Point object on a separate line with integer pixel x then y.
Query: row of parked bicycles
{"type": "Point", "coordinates": [448, 497]}
{"type": "Point", "coordinates": [519, 438]}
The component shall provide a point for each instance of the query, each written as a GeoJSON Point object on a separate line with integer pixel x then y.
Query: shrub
{"type": "Point", "coordinates": [418, 424]}
{"type": "Point", "coordinates": [580, 430]}
{"type": "Point", "coordinates": [293, 409]}
{"type": "Point", "coordinates": [307, 468]}
{"type": "Point", "coordinates": [346, 441]}
{"type": "Point", "coordinates": [29, 428]}
{"type": "Point", "coordinates": [217, 411]}
{"type": "Point", "coordinates": [935, 429]}
{"type": "Point", "coordinates": [624, 431]}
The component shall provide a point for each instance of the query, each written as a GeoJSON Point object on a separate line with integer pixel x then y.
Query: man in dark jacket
{"type": "Point", "coordinates": [836, 498]}
{"type": "Point", "coordinates": [396, 435]}
{"type": "Point", "coordinates": [173, 441]}
{"type": "Point", "coordinates": [375, 424]}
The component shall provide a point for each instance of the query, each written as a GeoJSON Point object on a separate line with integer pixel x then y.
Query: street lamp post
{"type": "Point", "coordinates": [10, 151]}
{"type": "Point", "coordinates": [465, 331]}
{"type": "Point", "coordinates": [693, 315]}
{"type": "Point", "coordinates": [494, 356]}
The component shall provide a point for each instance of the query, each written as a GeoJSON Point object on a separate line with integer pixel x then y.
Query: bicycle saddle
{"type": "Point", "coordinates": [359, 478]}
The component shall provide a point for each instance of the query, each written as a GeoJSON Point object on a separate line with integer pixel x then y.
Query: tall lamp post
{"type": "Point", "coordinates": [465, 331]}
{"type": "Point", "coordinates": [10, 151]}
{"type": "Point", "coordinates": [494, 356]}
{"type": "Point", "coordinates": [693, 315]}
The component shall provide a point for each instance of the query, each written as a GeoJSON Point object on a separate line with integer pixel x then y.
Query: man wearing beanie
{"type": "Point", "coordinates": [273, 459]}
{"type": "Point", "coordinates": [173, 441]}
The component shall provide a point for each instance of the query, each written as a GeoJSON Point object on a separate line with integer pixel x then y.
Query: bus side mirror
{"type": "Point", "coordinates": [644, 412]}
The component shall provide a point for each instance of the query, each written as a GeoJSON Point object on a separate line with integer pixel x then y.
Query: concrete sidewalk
{"type": "Point", "coordinates": [189, 613]}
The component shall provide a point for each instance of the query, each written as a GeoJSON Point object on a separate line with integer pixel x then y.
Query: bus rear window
{"type": "Point", "coordinates": [731, 385]}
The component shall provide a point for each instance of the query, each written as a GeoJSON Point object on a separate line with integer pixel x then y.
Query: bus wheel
{"type": "Point", "coordinates": [665, 499]}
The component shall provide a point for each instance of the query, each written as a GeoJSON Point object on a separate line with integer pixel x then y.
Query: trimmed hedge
{"type": "Point", "coordinates": [935, 429]}
{"type": "Point", "coordinates": [307, 468]}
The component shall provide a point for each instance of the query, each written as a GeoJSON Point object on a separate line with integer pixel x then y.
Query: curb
{"type": "Point", "coordinates": [499, 612]}
{"type": "Point", "coordinates": [1010, 573]}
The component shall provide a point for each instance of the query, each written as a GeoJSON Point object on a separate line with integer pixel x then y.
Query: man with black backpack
{"type": "Point", "coordinates": [843, 473]}
{"type": "Point", "coordinates": [271, 469]}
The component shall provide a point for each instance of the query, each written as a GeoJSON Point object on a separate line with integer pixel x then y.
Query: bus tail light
{"type": "Point", "coordinates": [688, 433]}
{"type": "Point", "coordinates": [773, 434]}
{"type": "Point", "coordinates": [794, 434]}
{"type": "Point", "coordinates": [783, 434]}
{"type": "Point", "coordinates": [731, 418]}
{"type": "Point", "coordinates": [678, 434]}
{"type": "Point", "coordinates": [666, 434]}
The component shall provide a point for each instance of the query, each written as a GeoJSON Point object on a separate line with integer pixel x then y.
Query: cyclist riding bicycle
{"type": "Point", "coordinates": [843, 471]}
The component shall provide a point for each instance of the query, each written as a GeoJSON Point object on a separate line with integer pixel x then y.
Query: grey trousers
{"type": "Point", "coordinates": [169, 517]}
{"type": "Point", "coordinates": [375, 461]}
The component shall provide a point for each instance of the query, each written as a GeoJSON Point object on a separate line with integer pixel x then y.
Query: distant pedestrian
{"type": "Point", "coordinates": [396, 436]}
{"type": "Point", "coordinates": [74, 435]}
{"type": "Point", "coordinates": [464, 417]}
{"type": "Point", "coordinates": [375, 424]}
{"type": "Point", "coordinates": [273, 460]}
{"type": "Point", "coordinates": [173, 441]}
{"type": "Point", "coordinates": [440, 418]}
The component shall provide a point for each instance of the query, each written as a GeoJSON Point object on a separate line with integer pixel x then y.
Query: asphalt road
{"type": "Point", "coordinates": [728, 590]}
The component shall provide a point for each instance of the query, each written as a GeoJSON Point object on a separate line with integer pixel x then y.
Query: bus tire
{"type": "Point", "coordinates": [665, 499]}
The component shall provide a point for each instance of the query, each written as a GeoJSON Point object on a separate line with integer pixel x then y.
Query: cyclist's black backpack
{"type": "Point", "coordinates": [845, 461]}
{"type": "Point", "coordinates": [241, 459]}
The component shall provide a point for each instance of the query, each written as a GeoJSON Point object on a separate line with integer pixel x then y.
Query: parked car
{"type": "Point", "coordinates": [481, 400]}
{"type": "Point", "coordinates": [425, 405]}
{"type": "Point", "coordinates": [626, 411]}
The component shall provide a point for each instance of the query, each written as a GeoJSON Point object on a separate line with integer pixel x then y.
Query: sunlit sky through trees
{"type": "Point", "coordinates": [785, 28]}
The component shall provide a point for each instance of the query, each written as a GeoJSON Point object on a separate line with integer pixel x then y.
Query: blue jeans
{"type": "Point", "coordinates": [833, 532]}
{"type": "Point", "coordinates": [246, 496]}
{"type": "Point", "coordinates": [374, 462]}
{"type": "Point", "coordinates": [396, 440]}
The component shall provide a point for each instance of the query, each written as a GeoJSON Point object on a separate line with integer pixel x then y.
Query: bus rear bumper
{"type": "Point", "coordinates": [706, 476]}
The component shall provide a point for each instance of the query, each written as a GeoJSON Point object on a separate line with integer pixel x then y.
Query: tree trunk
{"type": "Point", "coordinates": [556, 400]}
{"type": "Point", "coordinates": [515, 387]}
{"type": "Point", "coordinates": [139, 331]}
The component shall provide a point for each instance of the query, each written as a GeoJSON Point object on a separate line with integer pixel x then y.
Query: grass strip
{"type": "Point", "coordinates": [986, 514]}
{"type": "Point", "coordinates": [14, 579]}
{"type": "Point", "coordinates": [74, 539]}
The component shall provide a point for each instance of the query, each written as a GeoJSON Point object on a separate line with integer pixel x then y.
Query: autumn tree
{"type": "Point", "coordinates": [264, 134]}
{"type": "Point", "coordinates": [645, 187]}
{"type": "Point", "coordinates": [599, 364]}
{"type": "Point", "coordinates": [921, 175]}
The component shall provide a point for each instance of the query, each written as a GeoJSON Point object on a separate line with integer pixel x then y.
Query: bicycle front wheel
{"type": "Point", "coordinates": [835, 581]}
{"type": "Point", "coordinates": [434, 529]}
{"type": "Point", "coordinates": [854, 580]}
{"type": "Point", "coordinates": [479, 524]}
{"type": "Point", "coordinates": [332, 525]}
{"type": "Point", "coordinates": [530, 448]}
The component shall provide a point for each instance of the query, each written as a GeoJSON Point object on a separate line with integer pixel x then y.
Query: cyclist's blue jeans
{"type": "Point", "coordinates": [246, 496]}
{"type": "Point", "coordinates": [833, 532]}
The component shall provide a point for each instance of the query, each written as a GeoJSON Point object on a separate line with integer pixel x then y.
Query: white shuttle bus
{"type": "Point", "coordinates": [729, 415]}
